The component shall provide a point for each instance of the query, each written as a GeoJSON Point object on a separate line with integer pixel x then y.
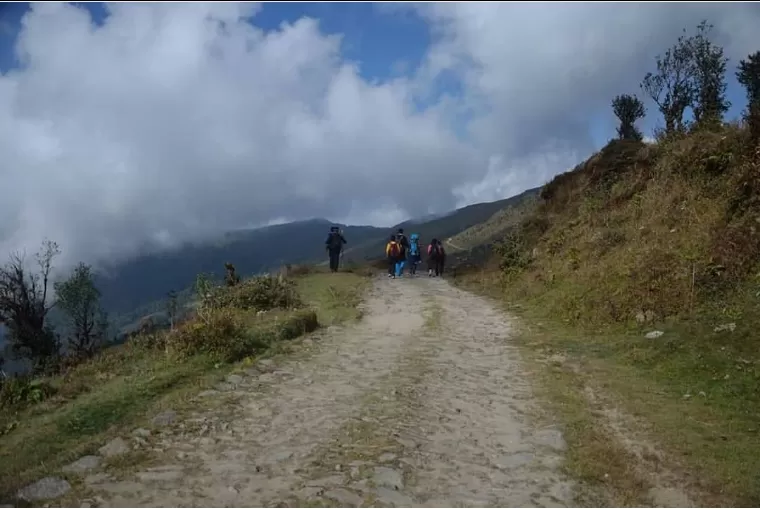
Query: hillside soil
{"type": "Point", "coordinates": [424, 402]}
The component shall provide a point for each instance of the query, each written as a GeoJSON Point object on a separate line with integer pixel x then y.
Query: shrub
{"type": "Point", "coordinates": [227, 337]}
{"type": "Point", "coordinates": [261, 293]}
{"type": "Point", "coordinates": [512, 253]}
{"type": "Point", "coordinates": [22, 391]}
{"type": "Point", "coordinates": [219, 335]}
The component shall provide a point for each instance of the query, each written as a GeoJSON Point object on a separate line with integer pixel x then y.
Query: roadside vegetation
{"type": "Point", "coordinates": [639, 274]}
{"type": "Point", "coordinates": [50, 419]}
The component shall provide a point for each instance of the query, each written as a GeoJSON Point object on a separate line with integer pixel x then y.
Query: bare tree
{"type": "Point", "coordinates": [24, 307]}
{"type": "Point", "coordinates": [671, 87]}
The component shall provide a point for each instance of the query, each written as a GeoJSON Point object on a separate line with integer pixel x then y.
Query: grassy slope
{"type": "Point", "coordinates": [123, 387]}
{"type": "Point", "coordinates": [667, 232]}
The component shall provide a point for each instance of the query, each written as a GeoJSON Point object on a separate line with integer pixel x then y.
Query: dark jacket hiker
{"type": "Point", "coordinates": [334, 245]}
{"type": "Point", "coordinates": [436, 258]}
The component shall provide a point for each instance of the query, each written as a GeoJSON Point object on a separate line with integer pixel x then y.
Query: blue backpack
{"type": "Point", "coordinates": [414, 248]}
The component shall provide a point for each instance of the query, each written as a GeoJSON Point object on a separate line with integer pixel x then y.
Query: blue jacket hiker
{"type": "Point", "coordinates": [414, 256]}
{"type": "Point", "coordinates": [403, 243]}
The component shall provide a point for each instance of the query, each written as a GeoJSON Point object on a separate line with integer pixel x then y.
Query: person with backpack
{"type": "Point", "coordinates": [393, 253]}
{"type": "Point", "coordinates": [436, 256]}
{"type": "Point", "coordinates": [403, 243]}
{"type": "Point", "coordinates": [441, 259]}
{"type": "Point", "coordinates": [414, 257]}
{"type": "Point", "coordinates": [334, 246]}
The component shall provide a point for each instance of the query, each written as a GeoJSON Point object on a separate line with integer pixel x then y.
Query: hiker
{"type": "Point", "coordinates": [436, 258]}
{"type": "Point", "coordinates": [403, 243]}
{"type": "Point", "coordinates": [414, 257]}
{"type": "Point", "coordinates": [334, 246]}
{"type": "Point", "coordinates": [393, 253]}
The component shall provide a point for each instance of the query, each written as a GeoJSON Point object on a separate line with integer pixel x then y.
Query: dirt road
{"type": "Point", "coordinates": [422, 403]}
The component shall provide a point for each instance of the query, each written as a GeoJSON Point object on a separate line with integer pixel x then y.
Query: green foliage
{"type": "Point", "coordinates": [748, 76]}
{"type": "Point", "coordinates": [512, 252]}
{"type": "Point", "coordinates": [709, 77]}
{"type": "Point", "coordinates": [628, 109]}
{"type": "Point", "coordinates": [222, 328]}
{"type": "Point", "coordinates": [207, 295]}
{"type": "Point", "coordinates": [228, 336]}
{"type": "Point", "coordinates": [80, 300]}
{"type": "Point", "coordinates": [18, 392]}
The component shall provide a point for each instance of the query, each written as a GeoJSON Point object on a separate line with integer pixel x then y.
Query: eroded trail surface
{"type": "Point", "coordinates": [422, 403]}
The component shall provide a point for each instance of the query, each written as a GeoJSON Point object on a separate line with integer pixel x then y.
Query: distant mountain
{"type": "Point", "coordinates": [149, 277]}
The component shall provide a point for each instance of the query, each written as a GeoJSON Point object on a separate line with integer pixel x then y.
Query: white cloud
{"type": "Point", "coordinates": [173, 121]}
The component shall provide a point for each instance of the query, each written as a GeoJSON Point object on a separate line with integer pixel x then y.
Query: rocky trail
{"type": "Point", "coordinates": [424, 402]}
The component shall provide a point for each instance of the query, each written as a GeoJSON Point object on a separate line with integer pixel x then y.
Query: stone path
{"type": "Point", "coordinates": [423, 403]}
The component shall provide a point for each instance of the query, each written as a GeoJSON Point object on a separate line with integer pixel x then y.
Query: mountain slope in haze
{"type": "Point", "coordinates": [442, 227]}
{"type": "Point", "coordinates": [149, 277]}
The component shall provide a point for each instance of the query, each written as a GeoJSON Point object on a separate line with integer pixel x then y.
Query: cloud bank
{"type": "Point", "coordinates": [170, 122]}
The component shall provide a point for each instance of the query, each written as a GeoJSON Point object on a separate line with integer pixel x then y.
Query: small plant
{"type": "Point", "coordinates": [512, 253]}
{"type": "Point", "coordinates": [207, 297]}
{"type": "Point", "coordinates": [221, 334]}
{"type": "Point", "coordinates": [23, 391]}
{"type": "Point", "coordinates": [261, 293]}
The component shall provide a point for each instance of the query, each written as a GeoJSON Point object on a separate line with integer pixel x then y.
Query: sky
{"type": "Point", "coordinates": [126, 127]}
